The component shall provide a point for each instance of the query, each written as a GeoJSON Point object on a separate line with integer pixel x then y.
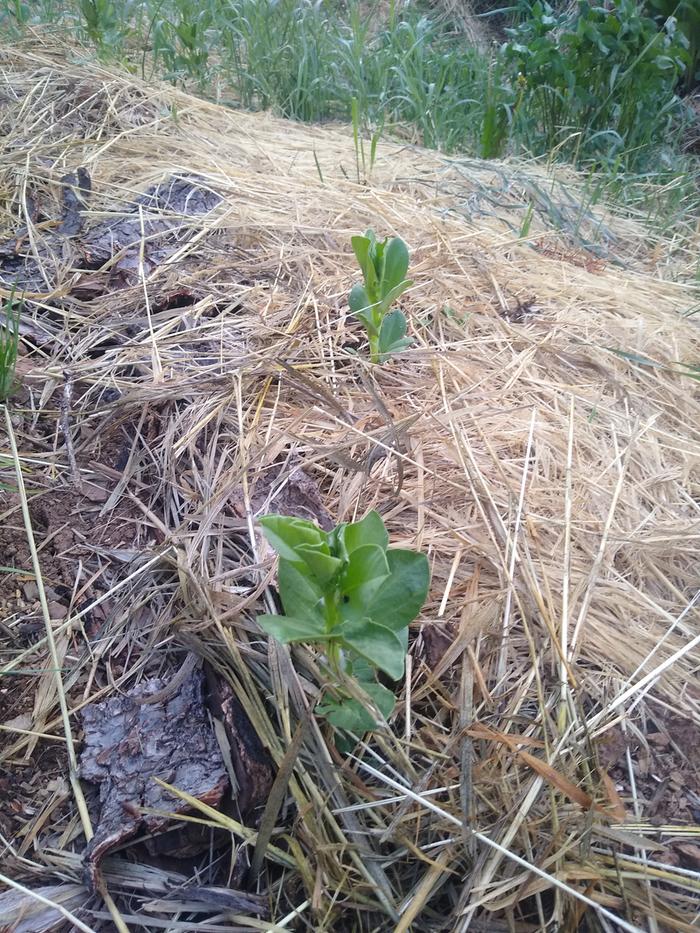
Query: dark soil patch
{"type": "Point", "coordinates": [666, 769]}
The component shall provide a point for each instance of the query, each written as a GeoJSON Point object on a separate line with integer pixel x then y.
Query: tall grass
{"type": "Point", "coordinates": [590, 86]}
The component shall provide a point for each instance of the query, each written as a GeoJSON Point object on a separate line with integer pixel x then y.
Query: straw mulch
{"type": "Point", "coordinates": [540, 442]}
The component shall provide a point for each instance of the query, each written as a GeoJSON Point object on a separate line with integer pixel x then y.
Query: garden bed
{"type": "Point", "coordinates": [185, 364]}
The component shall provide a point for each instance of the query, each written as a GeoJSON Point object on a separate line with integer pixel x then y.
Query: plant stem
{"type": "Point", "coordinates": [333, 654]}
{"type": "Point", "coordinates": [374, 348]}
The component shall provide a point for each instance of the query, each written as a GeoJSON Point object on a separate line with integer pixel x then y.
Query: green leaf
{"type": "Point", "coordinates": [347, 714]}
{"type": "Point", "coordinates": [361, 670]}
{"type": "Point", "coordinates": [289, 629]}
{"type": "Point", "coordinates": [319, 561]}
{"type": "Point", "coordinates": [377, 643]}
{"type": "Point", "coordinates": [399, 599]}
{"type": "Point", "coordinates": [635, 358]}
{"type": "Point", "coordinates": [366, 570]}
{"type": "Point", "coordinates": [395, 293]}
{"type": "Point", "coordinates": [369, 530]}
{"type": "Point", "coordinates": [395, 265]}
{"type": "Point", "coordinates": [367, 562]}
{"type": "Point", "coordinates": [365, 573]}
{"type": "Point", "coordinates": [360, 247]}
{"type": "Point", "coordinates": [392, 336]}
{"type": "Point", "coordinates": [358, 299]}
{"type": "Point", "coordinates": [383, 698]}
{"type": "Point", "coordinates": [364, 248]}
{"type": "Point", "coordinates": [300, 594]}
{"type": "Point", "coordinates": [285, 534]}
{"type": "Point", "coordinates": [376, 252]}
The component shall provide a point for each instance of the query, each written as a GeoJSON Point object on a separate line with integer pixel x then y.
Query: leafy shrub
{"type": "Point", "coordinates": [686, 14]}
{"type": "Point", "coordinates": [595, 83]}
{"type": "Point", "coordinates": [181, 42]}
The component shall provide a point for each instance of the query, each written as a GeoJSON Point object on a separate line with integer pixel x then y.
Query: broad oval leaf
{"type": "Point", "coordinates": [383, 698]}
{"type": "Point", "coordinates": [358, 299]}
{"type": "Point", "coordinates": [377, 643]}
{"type": "Point", "coordinates": [394, 326]}
{"type": "Point", "coordinates": [347, 714]}
{"type": "Point", "coordinates": [286, 534]}
{"type": "Point", "coordinates": [289, 629]}
{"type": "Point", "coordinates": [392, 337]}
{"type": "Point", "coordinates": [400, 597]}
{"type": "Point", "coordinates": [369, 530]}
{"type": "Point", "coordinates": [360, 247]}
{"type": "Point", "coordinates": [366, 570]}
{"type": "Point", "coordinates": [396, 292]}
{"type": "Point", "coordinates": [350, 714]}
{"type": "Point", "coordinates": [395, 264]}
{"type": "Point", "coordinates": [386, 352]}
{"type": "Point", "coordinates": [364, 248]}
{"type": "Point", "coordinates": [300, 594]}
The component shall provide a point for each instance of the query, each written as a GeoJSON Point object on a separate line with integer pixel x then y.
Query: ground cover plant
{"type": "Point", "coordinates": [596, 85]}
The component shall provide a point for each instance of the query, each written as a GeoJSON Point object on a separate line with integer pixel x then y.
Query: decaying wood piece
{"type": "Point", "coordinates": [251, 763]}
{"type": "Point", "coordinates": [128, 744]}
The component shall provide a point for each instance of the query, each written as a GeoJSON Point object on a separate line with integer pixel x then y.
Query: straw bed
{"type": "Point", "coordinates": [540, 442]}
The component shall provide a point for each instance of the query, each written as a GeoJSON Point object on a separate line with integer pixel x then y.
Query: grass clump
{"type": "Point", "coordinates": [9, 344]}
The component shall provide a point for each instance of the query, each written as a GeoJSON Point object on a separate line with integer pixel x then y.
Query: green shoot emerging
{"type": "Point", "coordinates": [349, 592]}
{"type": "Point", "coordinates": [9, 341]}
{"type": "Point", "coordinates": [384, 265]}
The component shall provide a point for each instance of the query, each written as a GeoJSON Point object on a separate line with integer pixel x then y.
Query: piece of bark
{"type": "Point", "coordinates": [76, 190]}
{"type": "Point", "coordinates": [128, 744]}
{"type": "Point", "coordinates": [252, 765]}
{"type": "Point", "coordinates": [140, 237]}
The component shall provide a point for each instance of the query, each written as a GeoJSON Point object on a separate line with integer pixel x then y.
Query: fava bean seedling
{"type": "Point", "coordinates": [384, 264]}
{"type": "Point", "coordinates": [349, 592]}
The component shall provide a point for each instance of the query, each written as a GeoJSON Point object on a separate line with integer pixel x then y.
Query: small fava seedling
{"type": "Point", "coordinates": [384, 265]}
{"type": "Point", "coordinates": [348, 591]}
